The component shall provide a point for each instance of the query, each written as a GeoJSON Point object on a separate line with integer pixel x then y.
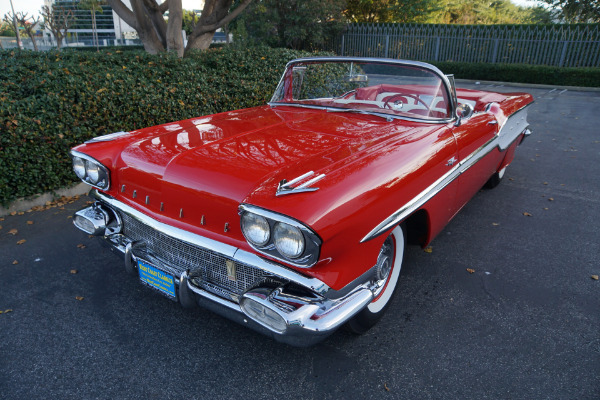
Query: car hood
{"type": "Point", "coordinates": [200, 170]}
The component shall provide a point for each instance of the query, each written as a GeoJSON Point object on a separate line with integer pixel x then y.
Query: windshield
{"type": "Point", "coordinates": [365, 86]}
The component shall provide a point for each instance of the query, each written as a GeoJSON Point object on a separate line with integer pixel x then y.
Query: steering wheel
{"type": "Point", "coordinates": [413, 96]}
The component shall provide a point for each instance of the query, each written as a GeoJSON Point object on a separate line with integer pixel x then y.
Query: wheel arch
{"type": "Point", "coordinates": [418, 228]}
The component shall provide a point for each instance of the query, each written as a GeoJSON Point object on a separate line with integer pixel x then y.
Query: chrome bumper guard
{"type": "Point", "coordinates": [289, 307]}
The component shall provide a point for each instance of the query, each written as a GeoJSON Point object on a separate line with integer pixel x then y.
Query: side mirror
{"type": "Point", "coordinates": [463, 111]}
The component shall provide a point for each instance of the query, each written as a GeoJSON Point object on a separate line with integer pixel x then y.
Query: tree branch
{"type": "Point", "coordinates": [202, 28]}
{"type": "Point", "coordinates": [164, 7]}
{"type": "Point", "coordinates": [124, 12]}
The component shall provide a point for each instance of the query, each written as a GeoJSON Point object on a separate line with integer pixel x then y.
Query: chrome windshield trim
{"type": "Point", "coordinates": [427, 194]}
{"type": "Point", "coordinates": [408, 63]}
{"type": "Point", "coordinates": [232, 252]}
{"type": "Point", "coordinates": [365, 112]}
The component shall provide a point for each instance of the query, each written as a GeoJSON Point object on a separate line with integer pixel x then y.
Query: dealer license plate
{"type": "Point", "coordinates": [156, 278]}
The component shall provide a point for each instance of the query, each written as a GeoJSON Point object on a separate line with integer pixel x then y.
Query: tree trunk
{"type": "Point", "coordinates": [174, 36]}
{"type": "Point", "coordinates": [145, 29]}
{"type": "Point", "coordinates": [32, 37]}
{"type": "Point", "coordinates": [94, 31]}
{"type": "Point", "coordinates": [201, 42]}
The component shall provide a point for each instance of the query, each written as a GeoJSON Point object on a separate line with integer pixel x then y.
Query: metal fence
{"type": "Point", "coordinates": [556, 45]}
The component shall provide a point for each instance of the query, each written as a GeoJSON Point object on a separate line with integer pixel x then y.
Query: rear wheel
{"type": "Point", "coordinates": [389, 264]}
{"type": "Point", "coordinates": [495, 179]}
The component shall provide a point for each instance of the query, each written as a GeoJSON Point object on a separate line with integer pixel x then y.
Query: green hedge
{"type": "Point", "coordinates": [51, 101]}
{"type": "Point", "coordinates": [539, 74]}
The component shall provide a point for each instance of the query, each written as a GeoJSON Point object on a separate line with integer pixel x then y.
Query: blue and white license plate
{"type": "Point", "coordinates": [156, 278]}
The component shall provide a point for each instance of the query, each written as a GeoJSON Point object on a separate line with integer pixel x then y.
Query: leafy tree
{"type": "Point", "coordinates": [190, 19]}
{"type": "Point", "coordinates": [57, 19]}
{"type": "Point", "coordinates": [158, 35]}
{"type": "Point", "coordinates": [486, 12]}
{"type": "Point", "coordinates": [574, 11]}
{"type": "Point", "coordinates": [6, 29]}
{"type": "Point", "coordinates": [297, 24]}
{"type": "Point", "coordinates": [389, 10]}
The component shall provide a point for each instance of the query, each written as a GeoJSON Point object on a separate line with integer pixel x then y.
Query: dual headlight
{"type": "Point", "coordinates": [279, 236]}
{"type": "Point", "coordinates": [90, 171]}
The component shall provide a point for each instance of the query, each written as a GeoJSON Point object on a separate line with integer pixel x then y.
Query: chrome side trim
{"type": "Point", "coordinates": [232, 252]}
{"type": "Point", "coordinates": [512, 128]}
{"type": "Point", "coordinates": [427, 194]}
{"type": "Point", "coordinates": [414, 204]}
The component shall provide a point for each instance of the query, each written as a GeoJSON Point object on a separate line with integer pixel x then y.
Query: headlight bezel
{"type": "Point", "coordinates": [103, 182]}
{"type": "Point", "coordinates": [312, 242]}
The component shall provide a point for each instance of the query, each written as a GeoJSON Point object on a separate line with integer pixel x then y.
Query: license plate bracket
{"type": "Point", "coordinates": [157, 279]}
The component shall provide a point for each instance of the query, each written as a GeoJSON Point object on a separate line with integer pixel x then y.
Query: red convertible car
{"type": "Point", "coordinates": [292, 218]}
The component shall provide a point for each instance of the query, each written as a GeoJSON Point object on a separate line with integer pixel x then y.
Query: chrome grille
{"type": "Point", "coordinates": [208, 268]}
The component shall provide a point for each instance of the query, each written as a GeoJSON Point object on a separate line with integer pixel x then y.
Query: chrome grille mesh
{"type": "Point", "coordinates": [208, 268]}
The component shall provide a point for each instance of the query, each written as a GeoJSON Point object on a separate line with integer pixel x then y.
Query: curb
{"type": "Point", "coordinates": [530, 85]}
{"type": "Point", "coordinates": [24, 204]}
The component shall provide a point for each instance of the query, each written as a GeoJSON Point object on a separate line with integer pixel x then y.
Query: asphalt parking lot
{"type": "Point", "coordinates": [525, 324]}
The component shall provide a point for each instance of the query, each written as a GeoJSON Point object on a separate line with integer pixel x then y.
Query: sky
{"type": "Point", "coordinates": [32, 7]}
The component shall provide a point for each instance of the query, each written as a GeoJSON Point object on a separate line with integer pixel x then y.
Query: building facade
{"type": "Point", "coordinates": [110, 28]}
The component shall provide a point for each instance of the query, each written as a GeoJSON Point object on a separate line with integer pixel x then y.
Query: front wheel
{"type": "Point", "coordinates": [389, 264]}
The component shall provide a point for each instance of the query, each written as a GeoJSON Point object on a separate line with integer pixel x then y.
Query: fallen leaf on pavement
{"type": "Point", "coordinates": [495, 223]}
{"type": "Point", "coordinates": [1, 219]}
{"type": "Point", "coordinates": [81, 246]}
{"type": "Point", "coordinates": [20, 213]}
{"type": "Point", "coordinates": [428, 249]}
{"type": "Point", "coordinates": [29, 222]}
{"type": "Point", "coordinates": [78, 298]}
{"type": "Point", "coordinates": [73, 271]}
{"type": "Point", "coordinates": [5, 311]}
{"type": "Point", "coordinates": [13, 213]}
{"type": "Point", "coordinates": [21, 241]}
{"type": "Point", "coordinates": [550, 198]}
{"type": "Point", "coordinates": [595, 277]}
{"type": "Point", "coordinates": [15, 262]}
{"type": "Point", "coordinates": [527, 214]}
{"type": "Point", "coordinates": [385, 386]}
{"type": "Point", "coordinates": [13, 232]}
{"type": "Point", "coordinates": [470, 270]}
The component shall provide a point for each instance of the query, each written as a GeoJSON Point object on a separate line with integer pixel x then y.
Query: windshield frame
{"type": "Point", "coordinates": [448, 87]}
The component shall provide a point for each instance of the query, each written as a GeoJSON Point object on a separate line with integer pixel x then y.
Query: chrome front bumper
{"type": "Point", "coordinates": [283, 304]}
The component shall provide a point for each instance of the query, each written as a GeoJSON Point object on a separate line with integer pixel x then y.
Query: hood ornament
{"type": "Point", "coordinates": [286, 187]}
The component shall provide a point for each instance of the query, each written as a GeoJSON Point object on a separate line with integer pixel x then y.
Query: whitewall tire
{"type": "Point", "coordinates": [388, 267]}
